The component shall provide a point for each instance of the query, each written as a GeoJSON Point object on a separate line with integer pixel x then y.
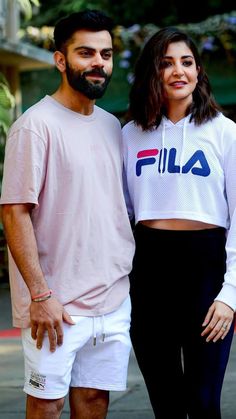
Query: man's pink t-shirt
{"type": "Point", "coordinates": [70, 166]}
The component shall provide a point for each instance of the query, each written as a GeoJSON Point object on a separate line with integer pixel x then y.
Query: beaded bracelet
{"type": "Point", "coordinates": [42, 297]}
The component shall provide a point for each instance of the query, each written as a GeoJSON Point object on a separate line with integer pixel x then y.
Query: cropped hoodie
{"type": "Point", "coordinates": [185, 171]}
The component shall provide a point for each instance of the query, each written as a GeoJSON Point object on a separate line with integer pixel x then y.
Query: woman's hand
{"type": "Point", "coordinates": [217, 321]}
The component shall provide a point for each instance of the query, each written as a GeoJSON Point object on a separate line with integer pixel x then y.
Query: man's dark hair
{"type": "Point", "coordinates": [92, 20]}
{"type": "Point", "coordinates": [147, 104]}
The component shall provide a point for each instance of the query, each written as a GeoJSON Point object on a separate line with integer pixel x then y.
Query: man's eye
{"type": "Point", "coordinates": [106, 55]}
{"type": "Point", "coordinates": [85, 53]}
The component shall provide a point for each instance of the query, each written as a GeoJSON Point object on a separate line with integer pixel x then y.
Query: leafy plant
{"type": "Point", "coordinates": [7, 103]}
{"type": "Point", "coordinates": [26, 7]}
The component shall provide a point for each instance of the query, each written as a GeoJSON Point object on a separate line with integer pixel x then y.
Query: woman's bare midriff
{"type": "Point", "coordinates": [177, 224]}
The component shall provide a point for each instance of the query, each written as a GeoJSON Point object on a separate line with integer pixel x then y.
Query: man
{"type": "Point", "coordinates": [66, 225]}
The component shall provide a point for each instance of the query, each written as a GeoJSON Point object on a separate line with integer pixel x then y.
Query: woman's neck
{"type": "Point", "coordinates": [177, 111]}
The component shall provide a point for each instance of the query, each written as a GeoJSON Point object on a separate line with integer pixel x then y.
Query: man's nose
{"type": "Point", "coordinates": [98, 61]}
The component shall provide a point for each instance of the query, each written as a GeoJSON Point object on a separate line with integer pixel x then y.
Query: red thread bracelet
{"type": "Point", "coordinates": [44, 294]}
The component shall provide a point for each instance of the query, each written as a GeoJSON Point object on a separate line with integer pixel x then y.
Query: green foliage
{"type": "Point", "coordinates": [131, 12]}
{"type": "Point", "coordinates": [26, 7]}
{"type": "Point", "coordinates": [7, 102]}
{"type": "Point", "coordinates": [51, 11]}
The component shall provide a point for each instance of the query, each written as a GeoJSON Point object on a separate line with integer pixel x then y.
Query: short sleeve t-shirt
{"type": "Point", "coordinates": [70, 167]}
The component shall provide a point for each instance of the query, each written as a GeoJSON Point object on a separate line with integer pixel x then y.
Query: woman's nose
{"type": "Point", "coordinates": [178, 70]}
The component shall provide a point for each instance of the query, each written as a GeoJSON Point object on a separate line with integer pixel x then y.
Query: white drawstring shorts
{"type": "Point", "coordinates": [95, 354]}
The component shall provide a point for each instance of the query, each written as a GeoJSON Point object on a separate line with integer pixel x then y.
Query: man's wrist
{"type": "Point", "coordinates": [42, 297]}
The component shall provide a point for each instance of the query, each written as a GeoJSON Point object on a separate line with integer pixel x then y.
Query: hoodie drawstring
{"type": "Point", "coordinates": [163, 160]}
{"type": "Point", "coordinates": [183, 145]}
{"type": "Point", "coordinates": [163, 152]}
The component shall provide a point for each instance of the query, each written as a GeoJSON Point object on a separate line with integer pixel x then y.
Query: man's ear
{"type": "Point", "coordinates": [60, 61]}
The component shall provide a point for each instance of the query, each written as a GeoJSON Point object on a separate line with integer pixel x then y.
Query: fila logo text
{"type": "Point", "coordinates": [166, 161]}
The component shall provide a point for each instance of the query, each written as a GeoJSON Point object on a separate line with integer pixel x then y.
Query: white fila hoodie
{"type": "Point", "coordinates": [188, 172]}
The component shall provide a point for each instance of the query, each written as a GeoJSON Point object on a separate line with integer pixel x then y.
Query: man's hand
{"type": "Point", "coordinates": [217, 321]}
{"type": "Point", "coordinates": [48, 316]}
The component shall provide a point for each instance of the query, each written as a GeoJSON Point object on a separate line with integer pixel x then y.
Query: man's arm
{"type": "Point", "coordinates": [45, 315]}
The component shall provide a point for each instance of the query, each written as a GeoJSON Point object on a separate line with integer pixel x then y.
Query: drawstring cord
{"type": "Point", "coordinates": [94, 332]}
{"type": "Point", "coordinates": [163, 148]}
{"type": "Point", "coordinates": [183, 145]}
{"type": "Point", "coordinates": [162, 169]}
{"type": "Point", "coordinates": [103, 329]}
{"type": "Point", "coordinates": [103, 334]}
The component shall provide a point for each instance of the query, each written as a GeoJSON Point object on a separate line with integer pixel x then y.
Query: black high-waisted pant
{"type": "Point", "coordinates": [176, 276]}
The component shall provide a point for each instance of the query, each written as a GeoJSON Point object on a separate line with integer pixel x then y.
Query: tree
{"type": "Point", "coordinates": [129, 12]}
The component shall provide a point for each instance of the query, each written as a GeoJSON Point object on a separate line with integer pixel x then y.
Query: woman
{"type": "Point", "coordinates": [180, 164]}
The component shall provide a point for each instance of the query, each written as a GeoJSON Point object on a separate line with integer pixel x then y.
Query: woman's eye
{"type": "Point", "coordinates": [187, 63]}
{"type": "Point", "coordinates": [165, 64]}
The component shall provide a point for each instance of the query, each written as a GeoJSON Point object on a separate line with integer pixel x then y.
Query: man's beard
{"type": "Point", "coordinates": [92, 90]}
